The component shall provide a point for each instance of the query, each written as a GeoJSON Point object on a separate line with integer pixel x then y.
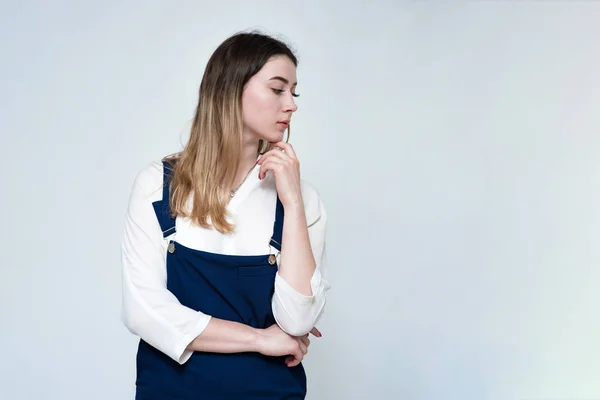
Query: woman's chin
{"type": "Point", "coordinates": [274, 137]}
{"type": "Point", "coordinates": [270, 136]}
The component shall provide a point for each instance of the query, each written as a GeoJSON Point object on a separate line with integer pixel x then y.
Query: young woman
{"type": "Point", "coordinates": [224, 243]}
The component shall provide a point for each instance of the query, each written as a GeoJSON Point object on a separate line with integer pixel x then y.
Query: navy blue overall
{"type": "Point", "coordinates": [230, 287]}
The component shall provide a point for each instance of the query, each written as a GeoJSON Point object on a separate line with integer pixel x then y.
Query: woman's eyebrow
{"type": "Point", "coordinates": [282, 79]}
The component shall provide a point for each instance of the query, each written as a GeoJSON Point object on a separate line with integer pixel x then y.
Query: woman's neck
{"type": "Point", "coordinates": [248, 160]}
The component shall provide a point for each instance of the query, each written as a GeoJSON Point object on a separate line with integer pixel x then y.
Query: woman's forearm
{"type": "Point", "coordinates": [297, 263]}
{"type": "Point", "coordinates": [221, 336]}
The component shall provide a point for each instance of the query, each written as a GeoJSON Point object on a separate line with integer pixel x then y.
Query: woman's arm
{"type": "Point", "coordinates": [294, 310]}
{"type": "Point", "coordinates": [299, 298]}
{"type": "Point", "coordinates": [221, 336]}
{"type": "Point", "coordinates": [149, 310]}
{"type": "Point", "coordinates": [297, 262]}
{"type": "Point", "coordinates": [152, 312]}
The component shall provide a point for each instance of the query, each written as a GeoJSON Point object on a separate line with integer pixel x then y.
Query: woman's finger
{"type": "Point", "coordinates": [298, 354]}
{"type": "Point", "coordinates": [272, 157]}
{"type": "Point", "coordinates": [306, 341]}
{"type": "Point", "coordinates": [280, 155]}
{"type": "Point", "coordinates": [289, 150]}
{"type": "Point", "coordinates": [289, 360]}
{"type": "Point", "coordinates": [303, 347]}
{"type": "Point", "coordinates": [275, 153]}
{"type": "Point", "coordinates": [269, 156]}
{"type": "Point", "coordinates": [270, 165]}
{"type": "Point", "coordinates": [316, 332]}
{"type": "Point", "coordinates": [294, 362]}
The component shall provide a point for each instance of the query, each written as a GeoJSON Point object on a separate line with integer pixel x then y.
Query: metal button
{"type": "Point", "coordinates": [272, 259]}
{"type": "Point", "coordinates": [171, 247]}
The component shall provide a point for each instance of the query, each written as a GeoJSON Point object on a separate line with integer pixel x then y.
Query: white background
{"type": "Point", "coordinates": [456, 146]}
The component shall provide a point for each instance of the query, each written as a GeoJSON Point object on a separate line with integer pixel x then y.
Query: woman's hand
{"type": "Point", "coordinates": [291, 360]}
{"type": "Point", "coordinates": [275, 342]}
{"type": "Point", "coordinates": [281, 159]}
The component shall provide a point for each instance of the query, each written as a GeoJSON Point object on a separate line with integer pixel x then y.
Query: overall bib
{"type": "Point", "coordinates": [230, 287]}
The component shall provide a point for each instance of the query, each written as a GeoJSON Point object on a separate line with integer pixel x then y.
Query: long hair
{"type": "Point", "coordinates": [206, 168]}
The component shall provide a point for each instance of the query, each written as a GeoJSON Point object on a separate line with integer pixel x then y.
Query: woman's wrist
{"type": "Point", "coordinates": [295, 208]}
{"type": "Point", "coordinates": [221, 336]}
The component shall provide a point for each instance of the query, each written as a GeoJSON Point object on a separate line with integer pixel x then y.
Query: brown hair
{"type": "Point", "coordinates": [208, 164]}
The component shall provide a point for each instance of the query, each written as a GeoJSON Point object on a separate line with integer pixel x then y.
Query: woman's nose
{"type": "Point", "coordinates": [291, 105]}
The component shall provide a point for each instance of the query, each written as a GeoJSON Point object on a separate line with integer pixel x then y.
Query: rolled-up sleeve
{"type": "Point", "coordinates": [149, 310]}
{"type": "Point", "coordinates": [296, 313]}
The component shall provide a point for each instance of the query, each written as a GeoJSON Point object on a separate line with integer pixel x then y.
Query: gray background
{"type": "Point", "coordinates": [455, 145]}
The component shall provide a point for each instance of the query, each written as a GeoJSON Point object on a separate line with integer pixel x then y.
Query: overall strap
{"type": "Point", "coordinates": [278, 226]}
{"type": "Point", "coordinates": [162, 208]}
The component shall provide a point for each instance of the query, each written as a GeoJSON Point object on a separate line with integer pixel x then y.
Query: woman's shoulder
{"type": "Point", "coordinates": [313, 205]}
{"type": "Point", "coordinates": [149, 179]}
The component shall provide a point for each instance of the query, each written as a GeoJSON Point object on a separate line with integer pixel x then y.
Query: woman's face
{"type": "Point", "coordinates": [268, 100]}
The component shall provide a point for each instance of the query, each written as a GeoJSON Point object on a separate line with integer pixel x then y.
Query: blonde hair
{"type": "Point", "coordinates": [207, 166]}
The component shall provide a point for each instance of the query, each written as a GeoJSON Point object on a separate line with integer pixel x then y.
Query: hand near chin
{"type": "Point", "coordinates": [284, 164]}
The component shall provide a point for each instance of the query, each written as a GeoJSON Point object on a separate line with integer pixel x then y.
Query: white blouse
{"type": "Point", "coordinates": [152, 312]}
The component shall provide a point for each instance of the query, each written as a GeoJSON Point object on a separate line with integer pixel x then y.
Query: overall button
{"type": "Point", "coordinates": [171, 247]}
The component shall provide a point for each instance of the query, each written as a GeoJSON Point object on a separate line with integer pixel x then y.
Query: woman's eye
{"type": "Point", "coordinates": [279, 91]}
